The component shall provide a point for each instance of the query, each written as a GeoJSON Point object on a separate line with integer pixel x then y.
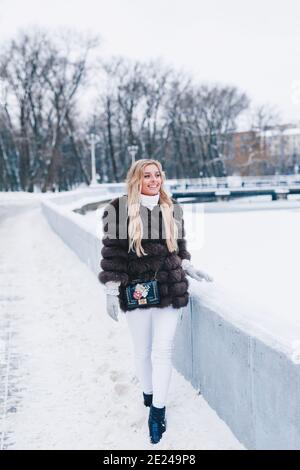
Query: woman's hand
{"type": "Point", "coordinates": [112, 306]}
{"type": "Point", "coordinates": [112, 300]}
{"type": "Point", "coordinates": [198, 274]}
{"type": "Point", "coordinates": [195, 273]}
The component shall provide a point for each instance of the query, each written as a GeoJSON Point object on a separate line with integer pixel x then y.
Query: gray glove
{"type": "Point", "coordinates": [112, 306]}
{"type": "Point", "coordinates": [112, 301]}
{"type": "Point", "coordinates": [195, 273]}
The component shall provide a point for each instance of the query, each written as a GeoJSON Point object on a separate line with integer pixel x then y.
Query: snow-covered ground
{"type": "Point", "coordinates": [67, 374]}
{"type": "Point", "coordinates": [254, 255]}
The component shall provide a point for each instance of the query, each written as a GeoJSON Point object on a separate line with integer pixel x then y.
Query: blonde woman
{"type": "Point", "coordinates": [144, 266]}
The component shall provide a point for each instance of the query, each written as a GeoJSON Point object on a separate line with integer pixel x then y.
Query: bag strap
{"type": "Point", "coordinates": [154, 279]}
{"type": "Point", "coordinates": [158, 269]}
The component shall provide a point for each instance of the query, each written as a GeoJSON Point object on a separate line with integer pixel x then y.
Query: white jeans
{"type": "Point", "coordinates": [153, 330]}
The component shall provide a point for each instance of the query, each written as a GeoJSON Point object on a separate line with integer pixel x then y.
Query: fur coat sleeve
{"type": "Point", "coordinates": [114, 251]}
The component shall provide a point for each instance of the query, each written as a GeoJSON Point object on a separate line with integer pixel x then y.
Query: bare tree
{"type": "Point", "coordinates": [190, 127]}
{"type": "Point", "coordinates": [43, 76]}
{"type": "Point", "coordinates": [63, 78]}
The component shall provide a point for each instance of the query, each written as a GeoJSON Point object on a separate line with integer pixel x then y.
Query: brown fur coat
{"type": "Point", "coordinates": [119, 265]}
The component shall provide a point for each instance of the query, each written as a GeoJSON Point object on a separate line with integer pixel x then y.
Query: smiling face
{"type": "Point", "coordinates": [152, 180]}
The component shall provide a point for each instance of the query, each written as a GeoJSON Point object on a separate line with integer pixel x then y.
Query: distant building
{"type": "Point", "coordinates": [283, 144]}
{"type": "Point", "coordinates": [270, 151]}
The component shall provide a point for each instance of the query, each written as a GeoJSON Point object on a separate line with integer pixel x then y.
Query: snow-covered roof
{"type": "Point", "coordinates": [277, 133]}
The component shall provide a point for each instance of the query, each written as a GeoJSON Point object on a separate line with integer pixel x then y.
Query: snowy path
{"type": "Point", "coordinates": [67, 378]}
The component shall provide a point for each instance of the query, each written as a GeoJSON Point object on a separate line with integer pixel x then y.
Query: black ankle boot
{"type": "Point", "coordinates": [157, 423]}
{"type": "Point", "coordinates": [147, 399]}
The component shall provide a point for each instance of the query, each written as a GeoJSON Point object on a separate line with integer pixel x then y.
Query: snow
{"type": "Point", "coordinates": [88, 200]}
{"type": "Point", "coordinates": [277, 132]}
{"type": "Point", "coordinates": [254, 257]}
{"type": "Point", "coordinates": [17, 196]}
{"type": "Point", "coordinates": [67, 377]}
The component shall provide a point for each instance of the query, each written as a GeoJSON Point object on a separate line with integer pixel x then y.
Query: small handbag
{"type": "Point", "coordinates": [142, 293]}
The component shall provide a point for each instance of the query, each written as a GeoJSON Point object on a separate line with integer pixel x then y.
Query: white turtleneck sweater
{"type": "Point", "coordinates": [149, 201]}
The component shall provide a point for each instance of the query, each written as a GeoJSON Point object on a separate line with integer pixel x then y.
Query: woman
{"type": "Point", "coordinates": [145, 239]}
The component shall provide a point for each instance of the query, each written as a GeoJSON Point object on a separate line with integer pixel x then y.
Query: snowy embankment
{"type": "Point", "coordinates": [67, 369]}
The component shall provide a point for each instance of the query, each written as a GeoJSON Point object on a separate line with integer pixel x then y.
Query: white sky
{"type": "Point", "coordinates": [251, 44]}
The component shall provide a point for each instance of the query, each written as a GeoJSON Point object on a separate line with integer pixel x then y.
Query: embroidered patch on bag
{"type": "Point", "coordinates": [142, 294]}
{"type": "Point", "coordinates": [141, 290]}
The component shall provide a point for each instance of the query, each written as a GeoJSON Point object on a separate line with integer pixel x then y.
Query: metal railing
{"type": "Point", "coordinates": [234, 182]}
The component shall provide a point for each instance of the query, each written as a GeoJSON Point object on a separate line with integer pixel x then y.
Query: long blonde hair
{"type": "Point", "coordinates": [134, 180]}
